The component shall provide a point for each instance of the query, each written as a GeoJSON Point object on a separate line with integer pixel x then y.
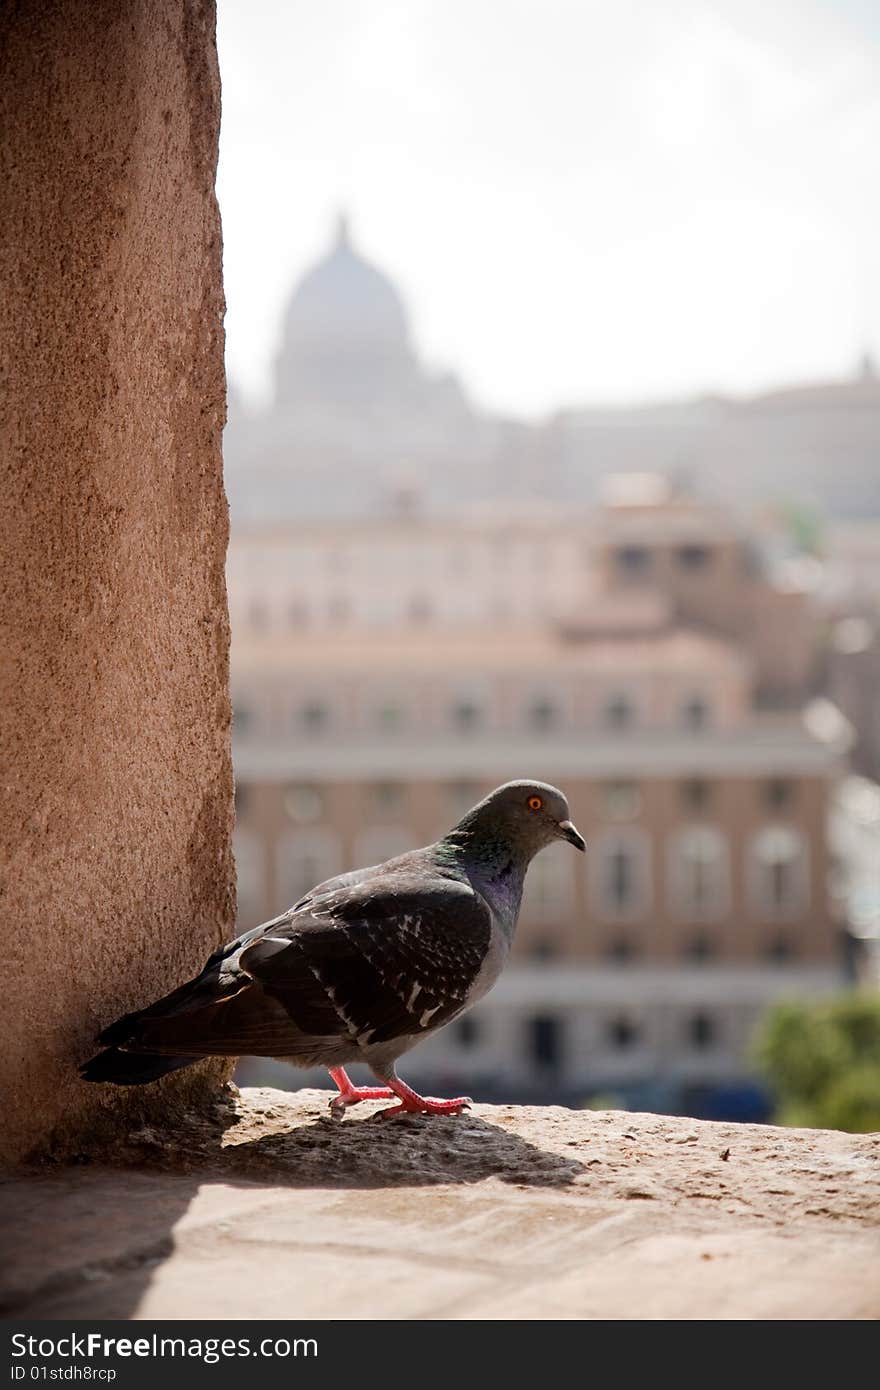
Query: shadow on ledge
{"type": "Point", "coordinates": [294, 1142]}
{"type": "Point", "coordinates": [84, 1238]}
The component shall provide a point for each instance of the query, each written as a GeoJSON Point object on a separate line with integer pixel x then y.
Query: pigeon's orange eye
{"type": "Point", "coordinates": [535, 803]}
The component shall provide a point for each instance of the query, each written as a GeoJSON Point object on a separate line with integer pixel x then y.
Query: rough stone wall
{"type": "Point", "coordinates": [116, 774]}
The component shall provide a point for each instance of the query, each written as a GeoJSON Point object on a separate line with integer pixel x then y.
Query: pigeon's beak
{"type": "Point", "coordinates": [572, 834]}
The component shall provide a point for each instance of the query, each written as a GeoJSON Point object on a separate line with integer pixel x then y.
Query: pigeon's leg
{"type": "Point", "coordinates": [349, 1094]}
{"type": "Point", "coordinates": [411, 1103]}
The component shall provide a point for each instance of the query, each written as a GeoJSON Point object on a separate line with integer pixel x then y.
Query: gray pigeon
{"type": "Point", "coordinates": [363, 967]}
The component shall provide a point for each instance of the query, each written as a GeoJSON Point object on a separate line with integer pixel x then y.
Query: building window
{"type": "Point", "coordinates": [545, 1040]}
{"type": "Point", "coordinates": [468, 1032]}
{"type": "Point", "coordinates": [619, 713]}
{"type": "Point", "coordinates": [258, 615]}
{"type": "Point", "coordinates": [778, 793]}
{"type": "Point", "coordinates": [389, 718]}
{"type": "Point", "coordinates": [305, 859]}
{"type": "Point", "coordinates": [242, 799]}
{"type": "Point", "coordinates": [303, 803]}
{"type": "Point", "coordinates": [466, 716]}
{"type": "Point", "coordinates": [700, 948]}
{"type": "Point", "coordinates": [696, 713]}
{"type": "Point", "coordinates": [780, 949]}
{"type": "Point", "coordinates": [463, 796]}
{"type": "Point", "coordinates": [702, 1031]}
{"type": "Point", "coordinates": [778, 864]}
{"type": "Point", "coordinates": [543, 716]}
{"type": "Point", "coordinates": [338, 610]}
{"type": "Point", "coordinates": [622, 1033]}
{"type": "Point", "coordinates": [698, 872]}
{"type": "Point", "coordinates": [388, 796]}
{"type": "Point", "coordinates": [621, 950]}
{"type": "Point", "coordinates": [696, 794]}
{"type": "Point", "coordinates": [382, 842]}
{"type": "Point", "coordinates": [693, 557]}
{"type": "Point", "coordinates": [619, 874]}
{"type": "Point", "coordinates": [419, 609]}
{"type": "Point", "coordinates": [548, 895]}
{"type": "Point", "coordinates": [543, 949]}
{"type": "Point", "coordinates": [242, 719]}
{"type": "Point", "coordinates": [621, 800]}
{"type": "Point", "coordinates": [501, 553]}
{"type": "Point", "coordinates": [250, 870]}
{"type": "Point", "coordinates": [633, 561]}
{"type": "Point", "coordinates": [314, 717]}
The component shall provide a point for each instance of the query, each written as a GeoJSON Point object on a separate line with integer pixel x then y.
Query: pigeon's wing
{"type": "Point", "coordinates": [369, 961]}
{"type": "Point", "coordinates": [386, 958]}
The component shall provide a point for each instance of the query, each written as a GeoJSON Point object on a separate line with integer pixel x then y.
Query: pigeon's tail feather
{"type": "Point", "coordinates": [119, 1032]}
{"type": "Point", "coordinates": [128, 1028]}
{"type": "Point", "coordinates": [131, 1068]}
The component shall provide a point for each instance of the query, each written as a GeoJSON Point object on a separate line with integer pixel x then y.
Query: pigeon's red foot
{"type": "Point", "coordinates": [349, 1094]}
{"type": "Point", "coordinates": [411, 1103]}
{"type": "Point", "coordinates": [427, 1105]}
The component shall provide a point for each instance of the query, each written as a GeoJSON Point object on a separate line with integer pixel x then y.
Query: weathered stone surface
{"type": "Point", "coordinates": [271, 1209]}
{"type": "Point", "coordinates": [117, 787]}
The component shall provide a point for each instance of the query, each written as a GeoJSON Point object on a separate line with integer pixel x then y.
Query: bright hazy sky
{"type": "Point", "coordinates": [581, 201]}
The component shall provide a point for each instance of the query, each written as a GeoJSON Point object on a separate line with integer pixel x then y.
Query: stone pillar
{"type": "Point", "coordinates": [116, 774]}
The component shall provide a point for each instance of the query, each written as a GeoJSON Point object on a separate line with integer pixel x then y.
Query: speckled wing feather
{"type": "Point", "coordinates": [392, 961]}
{"type": "Point", "coordinates": [385, 957]}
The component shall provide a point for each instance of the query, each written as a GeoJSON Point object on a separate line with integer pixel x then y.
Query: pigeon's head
{"type": "Point", "coordinates": [527, 815]}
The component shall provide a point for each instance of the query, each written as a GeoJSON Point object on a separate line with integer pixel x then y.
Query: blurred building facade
{"type": "Point", "coordinates": [815, 444]}
{"type": "Point", "coordinates": [356, 418]}
{"type": "Point", "coordinates": [427, 601]}
{"type": "Point", "coordinates": [850, 595]}
{"type": "Point", "coordinates": [387, 673]}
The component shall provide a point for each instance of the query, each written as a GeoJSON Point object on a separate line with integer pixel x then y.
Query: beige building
{"type": "Point", "coordinates": [632, 563]}
{"type": "Point", "coordinates": [700, 782]}
{"type": "Point", "coordinates": [408, 571]}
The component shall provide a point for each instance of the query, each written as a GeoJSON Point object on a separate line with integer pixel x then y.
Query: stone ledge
{"type": "Point", "coordinates": [272, 1209]}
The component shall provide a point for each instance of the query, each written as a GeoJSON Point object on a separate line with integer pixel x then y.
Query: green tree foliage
{"type": "Point", "coordinates": [804, 527]}
{"type": "Point", "coordinates": [822, 1062]}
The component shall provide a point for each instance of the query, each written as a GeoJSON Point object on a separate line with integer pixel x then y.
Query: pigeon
{"type": "Point", "coordinates": [361, 969]}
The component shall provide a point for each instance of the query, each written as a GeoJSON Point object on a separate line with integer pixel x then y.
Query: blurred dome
{"type": "Point", "coordinates": [344, 297]}
{"type": "Point", "coordinates": [344, 316]}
